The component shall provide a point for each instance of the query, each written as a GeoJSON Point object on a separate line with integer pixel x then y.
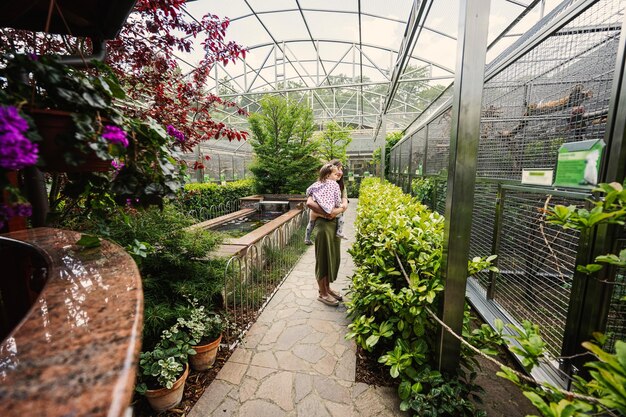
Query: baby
{"type": "Point", "coordinates": [327, 195]}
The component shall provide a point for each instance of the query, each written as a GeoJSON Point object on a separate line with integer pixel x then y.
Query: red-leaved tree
{"type": "Point", "coordinates": [144, 58]}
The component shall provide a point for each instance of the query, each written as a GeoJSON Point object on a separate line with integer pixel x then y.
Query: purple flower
{"type": "Point", "coordinates": [11, 121]}
{"type": "Point", "coordinates": [177, 134]}
{"type": "Point", "coordinates": [33, 57]}
{"type": "Point", "coordinates": [16, 151]}
{"type": "Point", "coordinates": [117, 165]}
{"type": "Point", "coordinates": [18, 209]}
{"type": "Point", "coordinates": [115, 135]}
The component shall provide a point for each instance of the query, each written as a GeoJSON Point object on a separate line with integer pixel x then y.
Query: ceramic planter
{"type": "Point", "coordinates": [51, 124]}
{"type": "Point", "coordinates": [163, 399]}
{"type": "Point", "coordinates": [205, 355]}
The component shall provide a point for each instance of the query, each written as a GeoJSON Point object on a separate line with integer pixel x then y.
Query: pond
{"type": "Point", "coordinates": [243, 225]}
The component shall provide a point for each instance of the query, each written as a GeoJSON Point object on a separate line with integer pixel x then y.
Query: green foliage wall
{"type": "Point", "coordinates": [197, 195]}
{"type": "Point", "coordinates": [391, 318]}
{"type": "Point", "coordinates": [286, 157]}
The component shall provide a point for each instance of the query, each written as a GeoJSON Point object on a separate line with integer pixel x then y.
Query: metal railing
{"type": "Point", "coordinates": [216, 210]}
{"type": "Point", "coordinates": [252, 278]}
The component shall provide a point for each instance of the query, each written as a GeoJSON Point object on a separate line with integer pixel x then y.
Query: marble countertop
{"type": "Point", "coordinates": [75, 353]}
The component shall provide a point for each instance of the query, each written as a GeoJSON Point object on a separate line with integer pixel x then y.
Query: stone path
{"type": "Point", "coordinates": [294, 361]}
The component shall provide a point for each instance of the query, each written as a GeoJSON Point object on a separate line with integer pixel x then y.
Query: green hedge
{"type": "Point", "coordinates": [390, 317]}
{"type": "Point", "coordinates": [196, 195]}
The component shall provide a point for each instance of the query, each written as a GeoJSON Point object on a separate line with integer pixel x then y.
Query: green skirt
{"type": "Point", "coordinates": [327, 249]}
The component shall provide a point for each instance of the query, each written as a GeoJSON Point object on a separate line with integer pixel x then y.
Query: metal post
{"type": "Point", "coordinates": [383, 149]}
{"type": "Point", "coordinates": [199, 172]}
{"type": "Point", "coordinates": [497, 233]}
{"type": "Point", "coordinates": [410, 179]}
{"type": "Point", "coordinates": [464, 135]}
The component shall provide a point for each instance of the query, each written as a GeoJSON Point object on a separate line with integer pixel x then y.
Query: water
{"type": "Point", "coordinates": [244, 225]}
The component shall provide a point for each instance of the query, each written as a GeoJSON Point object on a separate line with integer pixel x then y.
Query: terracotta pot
{"type": "Point", "coordinates": [54, 123]}
{"type": "Point", "coordinates": [205, 355]}
{"type": "Point", "coordinates": [163, 399]}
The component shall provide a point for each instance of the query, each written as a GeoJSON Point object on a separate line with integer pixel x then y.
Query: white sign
{"type": "Point", "coordinates": [537, 176]}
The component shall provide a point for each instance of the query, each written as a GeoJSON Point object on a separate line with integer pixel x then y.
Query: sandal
{"type": "Point", "coordinates": [328, 302]}
{"type": "Point", "coordinates": [336, 295]}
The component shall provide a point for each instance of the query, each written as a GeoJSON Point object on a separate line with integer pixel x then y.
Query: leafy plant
{"type": "Point", "coordinates": [163, 365]}
{"type": "Point", "coordinates": [201, 326]}
{"type": "Point", "coordinates": [396, 286]}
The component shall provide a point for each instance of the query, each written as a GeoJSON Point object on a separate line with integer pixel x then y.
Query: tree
{"type": "Point", "coordinates": [285, 154]}
{"type": "Point", "coordinates": [334, 141]}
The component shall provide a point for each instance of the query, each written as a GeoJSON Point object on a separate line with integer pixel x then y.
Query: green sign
{"type": "Point", "coordinates": [578, 163]}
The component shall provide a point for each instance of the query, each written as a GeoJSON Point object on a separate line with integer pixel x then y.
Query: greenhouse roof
{"type": "Point", "coordinates": [353, 61]}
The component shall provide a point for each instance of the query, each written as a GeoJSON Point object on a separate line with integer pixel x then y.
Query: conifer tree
{"type": "Point", "coordinates": [285, 154]}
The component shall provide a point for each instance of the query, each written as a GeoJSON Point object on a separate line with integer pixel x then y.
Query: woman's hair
{"type": "Point", "coordinates": [326, 170]}
{"type": "Point", "coordinates": [338, 164]}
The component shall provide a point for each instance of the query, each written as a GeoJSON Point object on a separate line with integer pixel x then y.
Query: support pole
{"type": "Point", "coordinates": [383, 147]}
{"type": "Point", "coordinates": [464, 136]}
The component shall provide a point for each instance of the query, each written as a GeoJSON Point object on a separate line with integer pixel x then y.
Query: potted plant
{"type": "Point", "coordinates": [205, 333]}
{"type": "Point", "coordinates": [89, 134]}
{"type": "Point", "coordinates": [164, 370]}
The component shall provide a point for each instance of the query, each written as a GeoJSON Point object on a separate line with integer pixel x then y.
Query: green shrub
{"type": "Point", "coordinates": [397, 235]}
{"type": "Point", "coordinates": [172, 262]}
{"type": "Point", "coordinates": [197, 195]}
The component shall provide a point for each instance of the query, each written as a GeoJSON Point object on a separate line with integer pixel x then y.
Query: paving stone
{"type": "Point", "coordinates": [291, 335]}
{"type": "Point", "coordinates": [329, 389]}
{"type": "Point", "coordinates": [285, 313]}
{"type": "Point", "coordinates": [346, 368]}
{"type": "Point", "coordinates": [303, 386]}
{"type": "Point", "coordinates": [313, 338]}
{"type": "Point", "coordinates": [259, 372]}
{"type": "Point", "coordinates": [312, 406]}
{"type": "Point", "coordinates": [369, 404]}
{"type": "Point", "coordinates": [294, 361]}
{"type": "Point", "coordinates": [277, 388]}
{"type": "Point", "coordinates": [232, 372]}
{"type": "Point", "coordinates": [289, 362]}
{"type": "Point", "coordinates": [227, 408]}
{"type": "Point", "coordinates": [247, 389]}
{"type": "Point", "coordinates": [260, 408]}
{"type": "Point", "coordinates": [326, 365]}
{"type": "Point", "coordinates": [310, 353]}
{"type": "Point", "coordinates": [265, 359]}
{"type": "Point", "coordinates": [273, 332]}
{"type": "Point", "coordinates": [296, 322]}
{"type": "Point", "coordinates": [358, 389]}
{"type": "Point", "coordinates": [241, 355]}
{"type": "Point", "coordinates": [341, 410]}
{"type": "Point", "coordinates": [330, 340]}
{"type": "Point", "coordinates": [212, 397]}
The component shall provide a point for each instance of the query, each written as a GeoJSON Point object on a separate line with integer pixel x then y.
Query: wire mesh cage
{"type": "Point", "coordinates": [536, 262]}
{"type": "Point", "coordinates": [483, 224]}
{"type": "Point", "coordinates": [438, 144]}
{"type": "Point", "coordinates": [551, 87]}
{"type": "Point", "coordinates": [557, 92]}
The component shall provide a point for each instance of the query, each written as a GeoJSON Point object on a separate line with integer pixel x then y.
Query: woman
{"type": "Point", "coordinates": [328, 244]}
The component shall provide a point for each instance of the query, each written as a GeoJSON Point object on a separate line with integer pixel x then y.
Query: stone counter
{"type": "Point", "coordinates": [75, 353]}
